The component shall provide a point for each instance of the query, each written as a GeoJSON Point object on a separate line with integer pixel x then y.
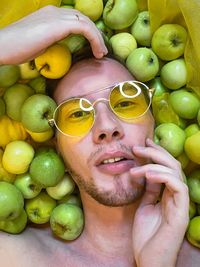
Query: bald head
{"type": "Point", "coordinates": [89, 75]}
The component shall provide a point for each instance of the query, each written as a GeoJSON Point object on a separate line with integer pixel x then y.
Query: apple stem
{"type": "Point", "coordinates": [46, 66]}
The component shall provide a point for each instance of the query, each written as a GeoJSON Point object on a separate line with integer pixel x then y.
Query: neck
{"type": "Point", "coordinates": [108, 229]}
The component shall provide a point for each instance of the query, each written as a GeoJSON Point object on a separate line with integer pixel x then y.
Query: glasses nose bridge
{"type": "Point", "coordinates": [101, 99]}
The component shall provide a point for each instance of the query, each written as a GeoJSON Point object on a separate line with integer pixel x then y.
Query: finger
{"type": "Point", "coordinates": [157, 154]}
{"type": "Point", "coordinates": [178, 189]}
{"type": "Point", "coordinates": [151, 195]}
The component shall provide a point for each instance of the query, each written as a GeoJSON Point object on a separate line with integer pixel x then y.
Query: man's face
{"type": "Point", "coordinates": [89, 158]}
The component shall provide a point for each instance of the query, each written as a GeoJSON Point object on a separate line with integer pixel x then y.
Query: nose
{"type": "Point", "coordinates": [107, 126]}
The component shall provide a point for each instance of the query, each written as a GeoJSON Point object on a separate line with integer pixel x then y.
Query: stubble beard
{"type": "Point", "coordinates": [117, 197]}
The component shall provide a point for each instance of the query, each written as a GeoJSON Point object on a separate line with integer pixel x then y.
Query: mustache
{"type": "Point", "coordinates": [103, 148]}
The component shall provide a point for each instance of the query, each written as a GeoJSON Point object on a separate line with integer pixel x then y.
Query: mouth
{"type": "Point", "coordinates": [115, 163]}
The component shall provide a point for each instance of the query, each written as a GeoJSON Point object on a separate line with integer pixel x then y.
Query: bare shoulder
{"type": "Point", "coordinates": [189, 256]}
{"type": "Point", "coordinates": [31, 247]}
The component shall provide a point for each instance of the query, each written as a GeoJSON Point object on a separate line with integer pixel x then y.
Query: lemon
{"type": "Point", "coordinates": [91, 8]}
{"type": "Point", "coordinates": [55, 62]}
{"type": "Point", "coordinates": [17, 157]}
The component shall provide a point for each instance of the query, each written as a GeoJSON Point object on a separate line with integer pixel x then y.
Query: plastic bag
{"type": "Point", "coordinates": [185, 13]}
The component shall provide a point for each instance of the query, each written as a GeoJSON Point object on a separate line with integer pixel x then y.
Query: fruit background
{"type": "Point", "coordinates": [158, 42]}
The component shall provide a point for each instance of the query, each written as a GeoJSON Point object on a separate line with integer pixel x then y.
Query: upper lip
{"type": "Point", "coordinates": [111, 155]}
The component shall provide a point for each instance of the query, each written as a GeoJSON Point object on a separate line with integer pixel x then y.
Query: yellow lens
{"type": "Point", "coordinates": [131, 101]}
{"type": "Point", "coordinates": [73, 120]}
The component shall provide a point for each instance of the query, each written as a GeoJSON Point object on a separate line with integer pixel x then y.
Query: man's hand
{"type": "Point", "coordinates": [159, 224]}
{"type": "Point", "coordinates": [30, 36]}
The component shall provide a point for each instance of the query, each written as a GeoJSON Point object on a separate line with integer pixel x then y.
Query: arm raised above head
{"type": "Point", "coordinates": [30, 36]}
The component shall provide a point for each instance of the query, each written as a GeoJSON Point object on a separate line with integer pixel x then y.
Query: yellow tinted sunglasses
{"type": "Point", "coordinates": [128, 100]}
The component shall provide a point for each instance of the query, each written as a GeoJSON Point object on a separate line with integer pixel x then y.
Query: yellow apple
{"type": "Point", "coordinates": [43, 3]}
{"type": "Point", "coordinates": [192, 147]}
{"type": "Point", "coordinates": [55, 62]}
{"type": "Point", "coordinates": [4, 175]}
{"type": "Point", "coordinates": [91, 8]}
{"type": "Point", "coordinates": [41, 137]}
{"type": "Point", "coordinates": [28, 70]}
{"type": "Point", "coordinates": [17, 157]}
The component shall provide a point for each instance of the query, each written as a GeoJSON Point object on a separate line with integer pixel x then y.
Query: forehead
{"type": "Point", "coordinates": [90, 75]}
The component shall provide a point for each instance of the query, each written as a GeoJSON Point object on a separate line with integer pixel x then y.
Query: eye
{"type": "Point", "coordinates": [79, 114]}
{"type": "Point", "coordinates": [124, 104]}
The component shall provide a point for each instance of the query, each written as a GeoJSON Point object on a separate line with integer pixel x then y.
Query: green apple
{"type": "Point", "coordinates": [28, 70]}
{"type": "Point", "coordinates": [158, 86]}
{"type": "Point", "coordinates": [108, 32]}
{"type": "Point", "coordinates": [74, 42]}
{"type": "Point", "coordinates": [162, 110]}
{"type": "Point", "coordinates": [90, 8]}
{"type": "Point", "coordinates": [15, 226]}
{"type": "Point", "coordinates": [143, 64]}
{"type": "Point", "coordinates": [171, 137]}
{"type": "Point", "coordinates": [36, 112]}
{"type": "Point", "coordinates": [2, 107]}
{"type": "Point", "coordinates": [68, 2]}
{"type": "Point", "coordinates": [185, 103]}
{"type": "Point", "coordinates": [38, 85]}
{"type": "Point", "coordinates": [62, 188]}
{"type": "Point", "coordinates": [47, 169]}
{"type": "Point", "coordinates": [141, 30]}
{"type": "Point", "coordinates": [9, 75]}
{"type": "Point", "coordinates": [174, 74]}
{"type": "Point", "coordinates": [67, 221]}
{"type": "Point", "coordinates": [71, 199]}
{"type": "Point", "coordinates": [183, 159]}
{"type": "Point", "coordinates": [192, 209]}
{"type": "Point", "coordinates": [198, 117]}
{"type": "Point", "coordinates": [169, 41]}
{"type": "Point", "coordinates": [28, 187]}
{"type": "Point", "coordinates": [120, 14]}
{"type": "Point", "coordinates": [192, 147]}
{"type": "Point", "coordinates": [14, 98]}
{"type": "Point", "coordinates": [191, 129]}
{"type": "Point", "coordinates": [193, 182]}
{"type": "Point", "coordinates": [193, 231]}
{"type": "Point", "coordinates": [123, 44]}
{"type": "Point", "coordinates": [67, 6]}
{"type": "Point", "coordinates": [11, 201]}
{"type": "Point", "coordinates": [39, 208]}
{"type": "Point", "coordinates": [198, 208]}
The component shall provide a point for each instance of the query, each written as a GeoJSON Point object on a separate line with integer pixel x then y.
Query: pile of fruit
{"type": "Point", "coordinates": [34, 184]}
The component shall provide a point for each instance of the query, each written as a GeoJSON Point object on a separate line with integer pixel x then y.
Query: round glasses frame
{"type": "Point", "coordinates": [150, 91]}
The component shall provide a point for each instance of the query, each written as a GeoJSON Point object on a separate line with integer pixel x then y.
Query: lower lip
{"type": "Point", "coordinates": [116, 167]}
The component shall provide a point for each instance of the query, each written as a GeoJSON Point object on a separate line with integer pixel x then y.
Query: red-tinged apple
{"type": "Point", "coordinates": [185, 103]}
{"type": "Point", "coordinates": [38, 85]}
{"type": "Point", "coordinates": [171, 137]}
{"type": "Point", "coordinates": [123, 44]}
{"type": "Point", "coordinates": [174, 74]}
{"type": "Point", "coordinates": [15, 226]}
{"type": "Point", "coordinates": [28, 70]}
{"type": "Point", "coordinates": [47, 168]}
{"type": "Point", "coordinates": [169, 41]}
{"type": "Point", "coordinates": [120, 14]}
{"type": "Point", "coordinates": [39, 208]}
{"type": "Point", "coordinates": [2, 107]}
{"type": "Point", "coordinates": [36, 112]}
{"type": "Point", "coordinates": [191, 129]}
{"type": "Point", "coordinates": [193, 231]}
{"type": "Point", "coordinates": [9, 75]}
{"type": "Point", "coordinates": [14, 98]}
{"type": "Point", "coordinates": [62, 188]}
{"type": "Point", "coordinates": [67, 221]}
{"type": "Point", "coordinates": [192, 147]}
{"type": "Point", "coordinates": [143, 64]}
{"type": "Point", "coordinates": [141, 29]}
{"type": "Point", "coordinates": [193, 182]}
{"type": "Point", "coordinates": [27, 186]}
{"type": "Point", "coordinates": [11, 201]}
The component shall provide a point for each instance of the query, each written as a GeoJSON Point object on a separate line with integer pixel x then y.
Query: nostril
{"type": "Point", "coordinates": [102, 136]}
{"type": "Point", "coordinates": [115, 134]}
